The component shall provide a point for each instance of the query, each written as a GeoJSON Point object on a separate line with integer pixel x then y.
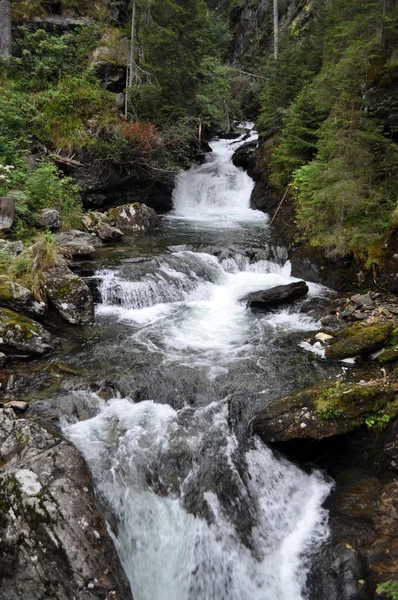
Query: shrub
{"type": "Point", "coordinates": [47, 187]}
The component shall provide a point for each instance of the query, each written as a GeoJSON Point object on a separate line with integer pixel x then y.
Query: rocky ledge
{"type": "Point", "coordinates": [53, 541]}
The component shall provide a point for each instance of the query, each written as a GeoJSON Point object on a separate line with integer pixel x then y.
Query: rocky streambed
{"type": "Point", "coordinates": [203, 344]}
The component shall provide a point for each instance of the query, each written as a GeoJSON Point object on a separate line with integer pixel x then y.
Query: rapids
{"type": "Point", "coordinates": [199, 512]}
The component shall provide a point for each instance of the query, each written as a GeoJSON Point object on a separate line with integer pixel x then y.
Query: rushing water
{"type": "Point", "coordinates": [199, 512]}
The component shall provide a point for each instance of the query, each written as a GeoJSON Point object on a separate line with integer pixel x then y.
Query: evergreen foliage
{"type": "Point", "coordinates": [336, 143]}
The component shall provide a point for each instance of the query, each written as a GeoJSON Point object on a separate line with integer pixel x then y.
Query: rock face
{"type": "Point", "coordinates": [49, 218]}
{"type": "Point", "coordinates": [54, 543]}
{"type": "Point", "coordinates": [245, 156]}
{"type": "Point", "coordinates": [22, 336]}
{"type": "Point", "coordinates": [134, 217]}
{"type": "Point", "coordinates": [324, 411]}
{"type": "Point", "coordinates": [280, 294]}
{"type": "Point", "coordinates": [359, 340]}
{"type": "Point", "coordinates": [7, 213]}
{"type": "Point", "coordinates": [70, 295]}
{"type": "Point", "coordinates": [16, 297]}
{"type": "Point", "coordinates": [78, 243]}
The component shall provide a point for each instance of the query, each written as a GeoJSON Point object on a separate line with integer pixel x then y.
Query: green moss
{"type": "Point", "coordinates": [12, 320]}
{"type": "Point", "coordinates": [375, 407]}
{"type": "Point", "coordinates": [359, 339]}
{"type": "Point", "coordinates": [389, 355]}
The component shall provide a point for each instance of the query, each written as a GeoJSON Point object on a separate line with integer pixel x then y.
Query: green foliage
{"type": "Point", "coordinates": [389, 589]}
{"type": "Point", "coordinates": [377, 421]}
{"type": "Point", "coordinates": [343, 160]}
{"type": "Point", "coordinates": [180, 50]}
{"type": "Point", "coordinates": [41, 58]}
{"type": "Point", "coordinates": [47, 187]}
{"type": "Point", "coordinates": [299, 60]}
{"type": "Point", "coordinates": [70, 114]}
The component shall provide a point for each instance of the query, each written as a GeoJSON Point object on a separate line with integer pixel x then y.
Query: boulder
{"type": "Point", "coordinates": [97, 222]}
{"type": "Point", "coordinates": [78, 243]}
{"type": "Point", "coordinates": [107, 233]}
{"type": "Point", "coordinates": [54, 541]}
{"type": "Point", "coordinates": [245, 156]}
{"type": "Point", "coordinates": [22, 336]}
{"type": "Point", "coordinates": [70, 295]}
{"type": "Point", "coordinates": [7, 213]}
{"type": "Point", "coordinates": [19, 298]}
{"type": "Point", "coordinates": [134, 217]}
{"type": "Point", "coordinates": [359, 340]}
{"type": "Point", "coordinates": [13, 248]}
{"type": "Point", "coordinates": [325, 410]}
{"type": "Point", "coordinates": [49, 218]}
{"type": "Point", "coordinates": [281, 294]}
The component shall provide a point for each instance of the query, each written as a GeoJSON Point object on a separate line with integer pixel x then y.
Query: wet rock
{"type": "Point", "coordinates": [20, 335]}
{"type": "Point", "coordinates": [359, 340]}
{"type": "Point", "coordinates": [280, 294]}
{"type": "Point", "coordinates": [107, 233]}
{"type": "Point", "coordinates": [3, 360]}
{"type": "Point", "coordinates": [18, 298]}
{"type": "Point", "coordinates": [78, 243]}
{"type": "Point", "coordinates": [7, 213]}
{"type": "Point", "coordinates": [70, 295]}
{"type": "Point", "coordinates": [330, 320]}
{"type": "Point", "coordinates": [54, 541]}
{"type": "Point", "coordinates": [324, 411]}
{"type": "Point", "coordinates": [134, 217]}
{"type": "Point", "coordinates": [49, 218]}
{"type": "Point", "coordinates": [244, 156]}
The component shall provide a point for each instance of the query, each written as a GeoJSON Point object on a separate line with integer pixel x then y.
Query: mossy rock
{"type": "Point", "coordinates": [70, 295]}
{"type": "Point", "coordinates": [18, 298]}
{"type": "Point", "coordinates": [359, 340]}
{"type": "Point", "coordinates": [388, 355]}
{"type": "Point", "coordinates": [21, 335]}
{"type": "Point", "coordinates": [326, 410]}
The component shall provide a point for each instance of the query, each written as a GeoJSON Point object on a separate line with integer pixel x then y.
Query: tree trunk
{"type": "Point", "coordinates": [131, 65]}
{"type": "Point", "coordinates": [5, 28]}
{"type": "Point", "coordinates": [276, 29]}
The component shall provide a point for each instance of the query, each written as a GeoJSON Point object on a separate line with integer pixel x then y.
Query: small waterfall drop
{"type": "Point", "coordinates": [217, 191]}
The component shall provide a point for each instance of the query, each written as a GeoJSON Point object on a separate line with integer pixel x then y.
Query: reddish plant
{"type": "Point", "coordinates": [141, 134]}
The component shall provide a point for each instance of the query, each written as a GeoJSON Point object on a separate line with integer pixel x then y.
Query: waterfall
{"type": "Point", "coordinates": [217, 191]}
{"type": "Point", "coordinates": [197, 512]}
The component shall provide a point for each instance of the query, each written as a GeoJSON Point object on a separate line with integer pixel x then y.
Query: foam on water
{"type": "Point", "coordinates": [170, 554]}
{"type": "Point", "coordinates": [217, 192]}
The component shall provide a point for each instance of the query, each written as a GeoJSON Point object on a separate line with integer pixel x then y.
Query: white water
{"type": "Point", "coordinates": [217, 192]}
{"type": "Point", "coordinates": [168, 553]}
{"type": "Point", "coordinates": [165, 473]}
{"type": "Point", "coordinates": [196, 311]}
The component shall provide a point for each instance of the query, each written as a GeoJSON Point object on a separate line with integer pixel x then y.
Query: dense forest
{"type": "Point", "coordinates": [325, 105]}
